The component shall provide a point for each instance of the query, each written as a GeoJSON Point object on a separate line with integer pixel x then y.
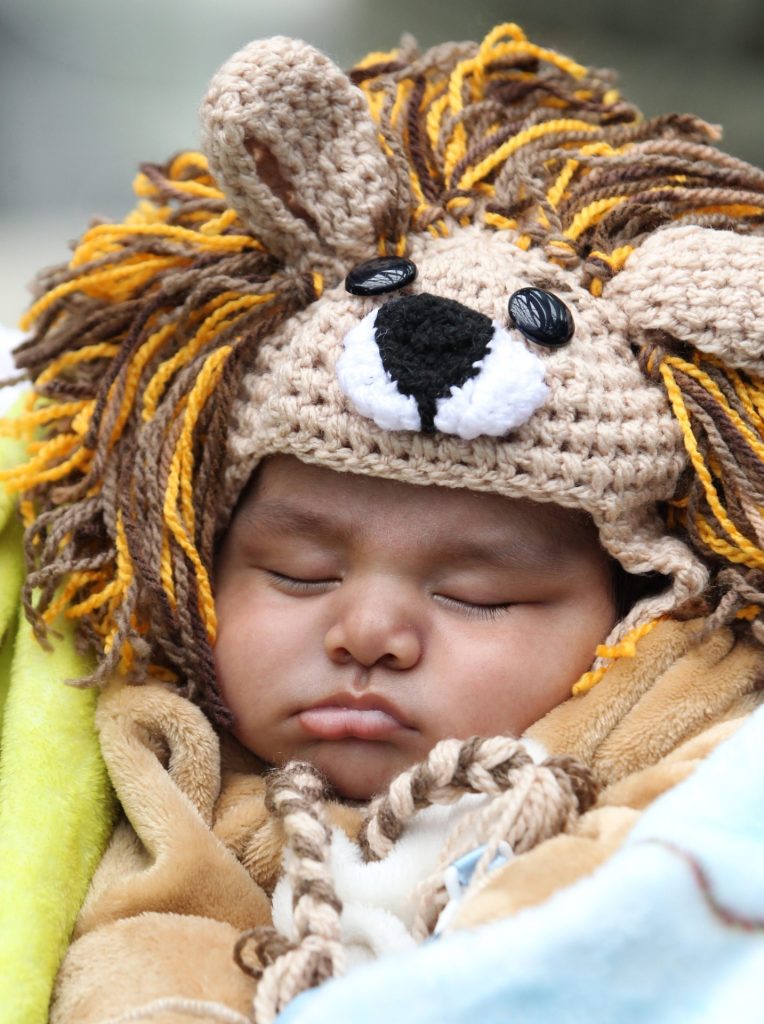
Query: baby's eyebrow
{"type": "Point", "coordinates": [540, 554]}
{"type": "Point", "coordinates": [283, 518]}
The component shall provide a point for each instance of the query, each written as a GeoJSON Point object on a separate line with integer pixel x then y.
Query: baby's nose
{"type": "Point", "coordinates": [374, 625]}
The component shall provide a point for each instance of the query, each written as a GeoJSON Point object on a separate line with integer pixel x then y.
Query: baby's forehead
{"type": "Point", "coordinates": [289, 497]}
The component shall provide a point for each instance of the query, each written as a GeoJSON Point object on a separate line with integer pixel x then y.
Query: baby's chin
{"type": "Point", "coordinates": [358, 770]}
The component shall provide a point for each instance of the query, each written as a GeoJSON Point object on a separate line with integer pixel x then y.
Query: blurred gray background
{"type": "Point", "coordinates": [89, 88]}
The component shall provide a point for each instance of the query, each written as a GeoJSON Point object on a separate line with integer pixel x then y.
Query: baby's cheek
{"type": "Point", "coordinates": [527, 668]}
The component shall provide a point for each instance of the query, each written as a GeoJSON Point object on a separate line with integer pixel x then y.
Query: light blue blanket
{"type": "Point", "coordinates": [645, 938]}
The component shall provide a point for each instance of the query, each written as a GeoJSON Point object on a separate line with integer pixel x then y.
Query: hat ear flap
{"type": "Point", "coordinates": [701, 286]}
{"type": "Point", "coordinates": [293, 146]}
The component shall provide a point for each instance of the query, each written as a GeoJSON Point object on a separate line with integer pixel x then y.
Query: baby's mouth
{"type": "Point", "coordinates": [346, 717]}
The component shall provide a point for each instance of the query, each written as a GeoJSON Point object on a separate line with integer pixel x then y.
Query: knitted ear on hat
{"type": "Point", "coordinates": [699, 286]}
{"type": "Point", "coordinates": [693, 298]}
{"type": "Point", "coordinates": [291, 142]}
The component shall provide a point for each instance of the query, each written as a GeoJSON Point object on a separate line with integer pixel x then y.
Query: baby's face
{"type": "Point", "coordinates": [361, 620]}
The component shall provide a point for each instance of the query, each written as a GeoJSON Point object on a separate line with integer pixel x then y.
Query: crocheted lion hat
{"type": "Point", "coordinates": [474, 267]}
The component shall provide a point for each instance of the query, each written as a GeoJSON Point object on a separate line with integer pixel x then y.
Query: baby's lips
{"type": "Point", "coordinates": [332, 722]}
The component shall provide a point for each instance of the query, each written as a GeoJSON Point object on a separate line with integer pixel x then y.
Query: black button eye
{"type": "Point", "coordinates": [384, 274]}
{"type": "Point", "coordinates": [541, 317]}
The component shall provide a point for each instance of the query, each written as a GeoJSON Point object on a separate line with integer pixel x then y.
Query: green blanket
{"type": "Point", "coordinates": [56, 805]}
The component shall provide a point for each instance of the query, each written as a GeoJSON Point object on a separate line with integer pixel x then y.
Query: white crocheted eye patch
{"type": "Point", "coordinates": [505, 389]}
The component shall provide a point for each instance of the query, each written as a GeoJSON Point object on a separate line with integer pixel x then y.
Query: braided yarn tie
{"type": "Point", "coordinates": [452, 767]}
{"type": "Point", "coordinates": [529, 803]}
{"type": "Point", "coordinates": [296, 794]}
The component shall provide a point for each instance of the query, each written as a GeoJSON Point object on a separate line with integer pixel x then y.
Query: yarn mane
{"type": "Point", "coordinates": [137, 343]}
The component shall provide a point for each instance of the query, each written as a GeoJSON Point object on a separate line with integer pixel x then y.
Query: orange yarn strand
{"type": "Point", "coordinates": [626, 648]}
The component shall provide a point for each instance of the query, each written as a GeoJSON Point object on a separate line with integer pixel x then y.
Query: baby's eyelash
{"type": "Point", "coordinates": [296, 585]}
{"type": "Point", "coordinates": [474, 611]}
